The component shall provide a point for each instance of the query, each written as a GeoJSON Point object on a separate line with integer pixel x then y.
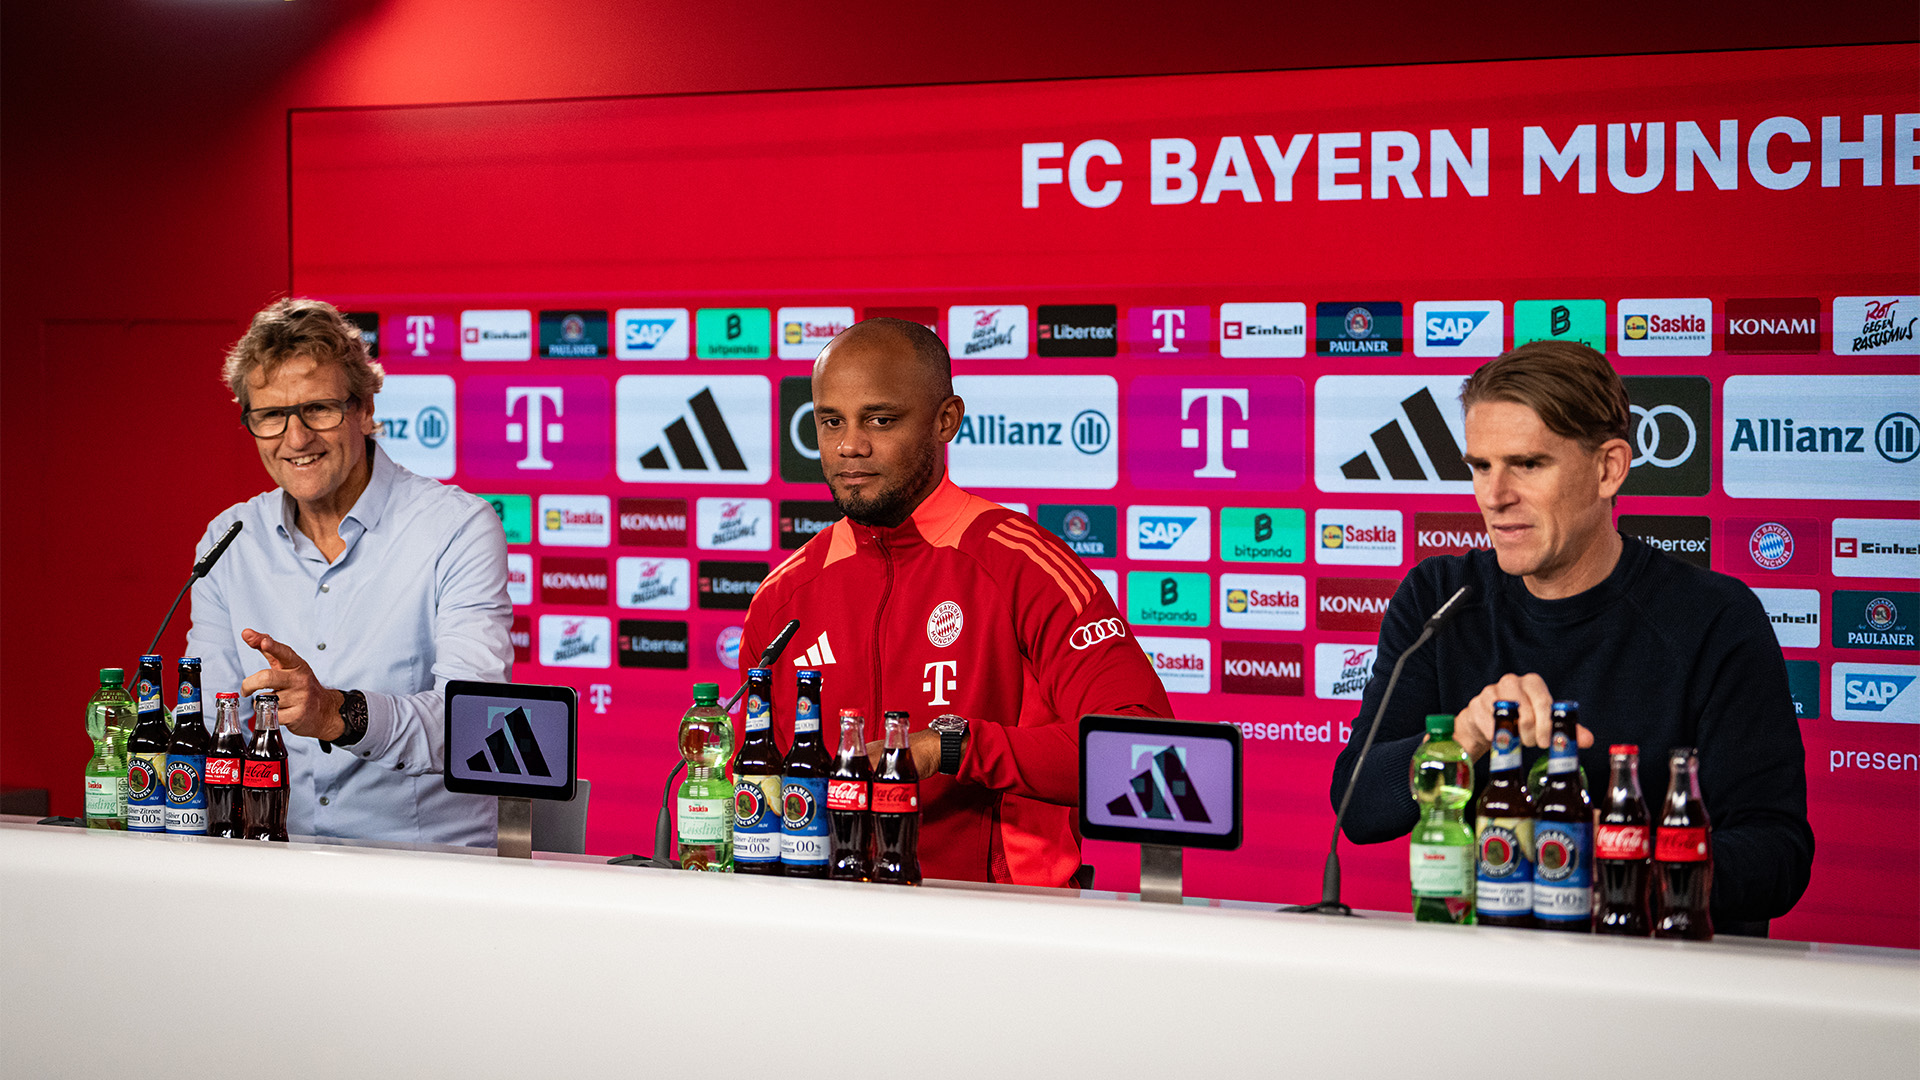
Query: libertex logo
{"type": "Point", "coordinates": [1244, 432]}
{"type": "Point", "coordinates": [547, 428]}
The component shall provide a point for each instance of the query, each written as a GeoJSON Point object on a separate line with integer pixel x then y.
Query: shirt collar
{"type": "Point", "coordinates": [368, 508]}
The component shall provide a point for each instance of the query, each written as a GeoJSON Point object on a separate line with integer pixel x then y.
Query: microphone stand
{"type": "Point", "coordinates": [200, 570]}
{"type": "Point", "coordinates": [1330, 903]}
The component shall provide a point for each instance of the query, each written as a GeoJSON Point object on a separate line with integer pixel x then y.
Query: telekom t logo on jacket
{"type": "Point", "coordinates": [1239, 431]}
{"type": "Point", "coordinates": [543, 427]}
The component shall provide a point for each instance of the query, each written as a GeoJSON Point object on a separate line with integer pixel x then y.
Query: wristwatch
{"type": "Point", "coordinates": [953, 737]}
{"type": "Point", "coordinates": [353, 713]}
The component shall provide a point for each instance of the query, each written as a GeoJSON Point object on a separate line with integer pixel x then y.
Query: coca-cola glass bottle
{"type": "Point", "coordinates": [1683, 854]}
{"type": "Point", "coordinates": [896, 809]}
{"type": "Point", "coordinates": [226, 760]}
{"type": "Point", "coordinates": [263, 774]}
{"type": "Point", "coordinates": [849, 791]}
{"type": "Point", "coordinates": [1622, 850]}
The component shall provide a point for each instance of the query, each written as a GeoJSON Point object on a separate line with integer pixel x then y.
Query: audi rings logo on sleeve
{"type": "Point", "coordinates": [1093, 633]}
{"type": "Point", "coordinates": [1647, 437]}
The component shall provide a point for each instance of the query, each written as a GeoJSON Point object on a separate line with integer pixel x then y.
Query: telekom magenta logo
{"type": "Point", "coordinates": [536, 428]}
{"type": "Point", "coordinates": [1170, 331]}
{"type": "Point", "coordinates": [1196, 432]}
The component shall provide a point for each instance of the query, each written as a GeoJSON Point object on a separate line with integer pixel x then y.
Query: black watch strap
{"type": "Point", "coordinates": [950, 747]}
{"type": "Point", "coordinates": [354, 712]}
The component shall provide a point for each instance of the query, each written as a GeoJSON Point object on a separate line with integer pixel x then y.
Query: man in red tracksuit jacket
{"type": "Point", "coordinates": [930, 600]}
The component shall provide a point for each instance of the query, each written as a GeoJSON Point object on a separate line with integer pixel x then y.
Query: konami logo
{"type": "Point", "coordinates": [1355, 604]}
{"type": "Point", "coordinates": [573, 581]}
{"type": "Point", "coordinates": [1448, 534]}
{"type": "Point", "coordinates": [521, 634]}
{"type": "Point", "coordinates": [653, 522]}
{"type": "Point", "coordinates": [1262, 667]}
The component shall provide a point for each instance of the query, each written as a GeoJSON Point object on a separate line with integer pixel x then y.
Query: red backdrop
{"type": "Point", "coordinates": [914, 197]}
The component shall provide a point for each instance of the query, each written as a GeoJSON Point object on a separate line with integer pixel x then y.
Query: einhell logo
{"type": "Point", "coordinates": [653, 522]}
{"type": "Point", "coordinates": [573, 581]}
{"type": "Point", "coordinates": [1780, 326]}
{"type": "Point", "coordinates": [729, 586]}
{"type": "Point", "coordinates": [1439, 533]}
{"type": "Point", "coordinates": [1353, 604]}
{"type": "Point", "coordinates": [1262, 667]}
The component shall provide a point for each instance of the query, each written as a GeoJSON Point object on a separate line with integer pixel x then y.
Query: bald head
{"type": "Point", "coordinates": [883, 406]}
{"type": "Point", "coordinates": [904, 354]}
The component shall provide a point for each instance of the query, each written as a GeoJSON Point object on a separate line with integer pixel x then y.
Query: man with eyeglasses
{"type": "Point", "coordinates": [362, 586]}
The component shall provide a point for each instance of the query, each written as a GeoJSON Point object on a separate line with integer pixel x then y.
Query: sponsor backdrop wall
{"type": "Point", "coordinates": [1210, 331]}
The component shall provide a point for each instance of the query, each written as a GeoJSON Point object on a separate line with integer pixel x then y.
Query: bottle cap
{"type": "Point", "coordinates": [1510, 705]}
{"type": "Point", "coordinates": [706, 693]}
{"type": "Point", "coordinates": [152, 658]}
{"type": "Point", "coordinates": [759, 673]}
{"type": "Point", "coordinates": [1566, 706]}
{"type": "Point", "coordinates": [854, 714]}
{"type": "Point", "coordinates": [224, 696]}
{"type": "Point", "coordinates": [1440, 724]}
{"type": "Point", "coordinates": [1623, 748]}
{"type": "Point", "coordinates": [113, 675]}
{"type": "Point", "coordinates": [189, 661]}
{"type": "Point", "coordinates": [894, 714]}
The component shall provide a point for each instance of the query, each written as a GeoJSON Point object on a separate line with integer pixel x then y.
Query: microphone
{"type": "Point", "coordinates": [1330, 878]}
{"type": "Point", "coordinates": [200, 570]}
{"type": "Point", "coordinates": [663, 822]}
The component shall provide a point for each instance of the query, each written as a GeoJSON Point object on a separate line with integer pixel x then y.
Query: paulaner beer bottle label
{"type": "Point", "coordinates": [147, 792]}
{"type": "Point", "coordinates": [803, 832]}
{"type": "Point", "coordinates": [1505, 880]}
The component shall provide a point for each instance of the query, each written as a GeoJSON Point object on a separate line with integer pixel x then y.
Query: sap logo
{"type": "Point", "coordinates": [651, 334]}
{"type": "Point", "coordinates": [1161, 533]}
{"type": "Point", "coordinates": [1452, 327]}
{"type": "Point", "coordinates": [1874, 693]}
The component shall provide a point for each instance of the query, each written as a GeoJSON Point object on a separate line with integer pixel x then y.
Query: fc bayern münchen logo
{"type": "Point", "coordinates": [1771, 546]}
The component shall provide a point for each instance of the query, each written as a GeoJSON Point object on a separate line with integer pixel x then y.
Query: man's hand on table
{"type": "Point", "coordinates": [306, 707]}
{"type": "Point", "coordinates": [1473, 727]}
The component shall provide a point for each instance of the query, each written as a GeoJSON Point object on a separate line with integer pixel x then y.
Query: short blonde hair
{"type": "Point", "coordinates": [295, 327]}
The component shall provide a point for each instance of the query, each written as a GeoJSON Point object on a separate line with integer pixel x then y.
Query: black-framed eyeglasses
{"type": "Point", "coordinates": [321, 414]}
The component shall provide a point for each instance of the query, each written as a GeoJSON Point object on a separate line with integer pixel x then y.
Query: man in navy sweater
{"type": "Point", "coordinates": [1656, 651]}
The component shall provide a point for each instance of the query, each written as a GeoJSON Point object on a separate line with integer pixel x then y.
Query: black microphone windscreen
{"type": "Point", "coordinates": [219, 548]}
{"type": "Point", "coordinates": [779, 643]}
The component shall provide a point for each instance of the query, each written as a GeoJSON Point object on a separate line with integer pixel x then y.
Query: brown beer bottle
{"type": "Point", "coordinates": [849, 792]}
{"type": "Point", "coordinates": [756, 783]}
{"type": "Point", "coordinates": [263, 774]}
{"type": "Point", "coordinates": [1683, 854]}
{"type": "Point", "coordinates": [1503, 888]}
{"type": "Point", "coordinates": [804, 832]}
{"type": "Point", "coordinates": [1622, 845]}
{"type": "Point", "coordinates": [1563, 833]}
{"type": "Point", "coordinates": [896, 809]}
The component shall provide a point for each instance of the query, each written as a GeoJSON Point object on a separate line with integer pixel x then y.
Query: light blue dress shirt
{"type": "Point", "coordinates": [418, 597]}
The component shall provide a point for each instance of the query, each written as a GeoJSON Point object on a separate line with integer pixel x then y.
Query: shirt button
{"type": "Point", "coordinates": [323, 646]}
{"type": "Point", "coordinates": [326, 588]}
{"type": "Point", "coordinates": [403, 764]}
{"type": "Point", "coordinates": [323, 800]}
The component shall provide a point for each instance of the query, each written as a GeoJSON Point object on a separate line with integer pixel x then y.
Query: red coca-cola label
{"type": "Point", "coordinates": [846, 795]}
{"type": "Point", "coordinates": [223, 771]}
{"type": "Point", "coordinates": [1681, 844]}
{"type": "Point", "coordinates": [262, 774]}
{"type": "Point", "coordinates": [1620, 842]}
{"type": "Point", "coordinates": [894, 798]}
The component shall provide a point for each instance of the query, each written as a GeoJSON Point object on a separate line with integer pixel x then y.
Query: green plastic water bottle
{"type": "Point", "coordinates": [704, 808]}
{"type": "Point", "coordinates": [1441, 858]}
{"type": "Point", "coordinates": [109, 719]}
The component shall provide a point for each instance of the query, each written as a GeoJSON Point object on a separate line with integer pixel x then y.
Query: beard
{"type": "Point", "coordinates": [892, 503]}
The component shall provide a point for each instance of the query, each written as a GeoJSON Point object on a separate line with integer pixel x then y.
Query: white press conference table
{"type": "Point", "coordinates": [156, 956]}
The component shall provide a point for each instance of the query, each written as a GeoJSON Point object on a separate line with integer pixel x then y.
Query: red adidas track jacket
{"type": "Point", "coordinates": [972, 609]}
